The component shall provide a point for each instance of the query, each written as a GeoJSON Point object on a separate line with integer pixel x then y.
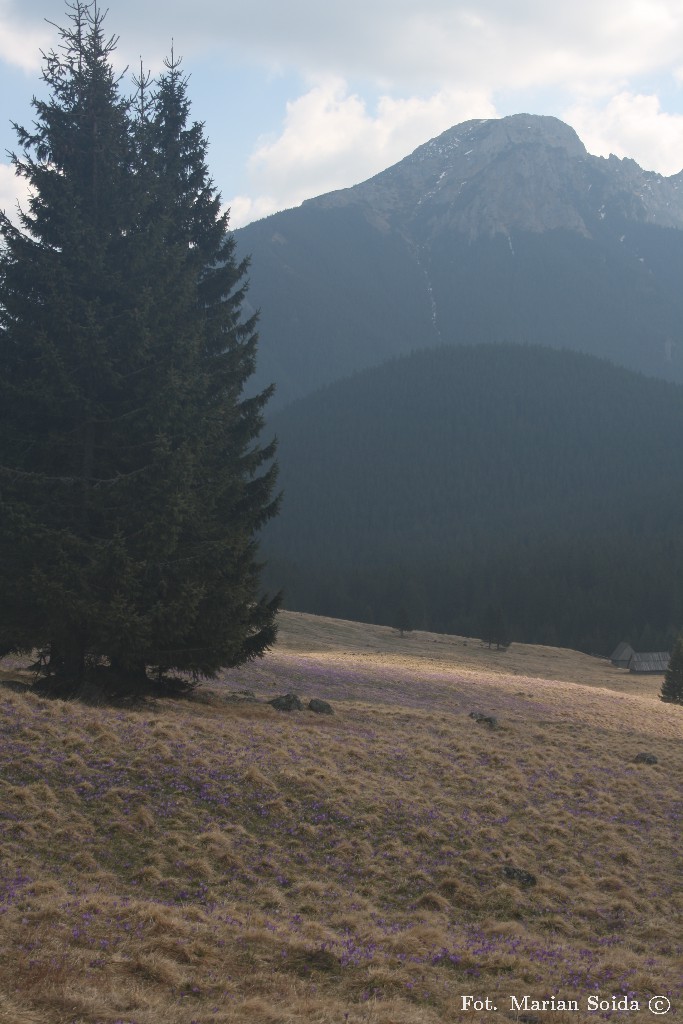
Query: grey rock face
{"type": "Point", "coordinates": [321, 707]}
{"type": "Point", "coordinates": [286, 702]}
{"type": "Point", "coordinates": [522, 172]}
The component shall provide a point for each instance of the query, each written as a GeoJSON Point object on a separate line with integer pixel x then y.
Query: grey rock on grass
{"type": "Point", "coordinates": [645, 758]}
{"type": "Point", "coordinates": [286, 702]}
{"type": "Point", "coordinates": [321, 707]}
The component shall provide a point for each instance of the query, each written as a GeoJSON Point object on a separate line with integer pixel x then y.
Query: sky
{"type": "Point", "coordinates": [302, 97]}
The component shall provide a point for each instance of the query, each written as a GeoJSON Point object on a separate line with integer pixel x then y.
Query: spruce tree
{"type": "Point", "coordinates": [132, 482]}
{"type": "Point", "coordinates": [402, 620]}
{"type": "Point", "coordinates": [494, 629]}
{"type": "Point", "coordinates": [672, 687]}
{"type": "Point", "coordinates": [215, 554]}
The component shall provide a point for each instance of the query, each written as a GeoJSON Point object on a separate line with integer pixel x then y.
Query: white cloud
{"type": "Point", "coordinates": [244, 209]}
{"type": "Point", "coordinates": [450, 42]}
{"type": "Point", "coordinates": [331, 139]}
{"type": "Point", "coordinates": [21, 37]}
{"type": "Point", "coordinates": [632, 125]}
{"type": "Point", "coordinates": [434, 63]}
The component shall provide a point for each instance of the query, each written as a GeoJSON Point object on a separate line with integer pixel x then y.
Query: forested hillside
{"type": "Point", "coordinates": [544, 484]}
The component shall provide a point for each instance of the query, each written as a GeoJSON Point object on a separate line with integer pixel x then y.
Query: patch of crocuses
{"type": "Point", "coordinates": [202, 775]}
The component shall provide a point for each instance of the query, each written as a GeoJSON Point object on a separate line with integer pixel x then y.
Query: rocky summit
{"type": "Point", "coordinates": [522, 172]}
{"type": "Point", "coordinates": [496, 231]}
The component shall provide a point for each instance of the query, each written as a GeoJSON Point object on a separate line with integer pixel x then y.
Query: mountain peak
{"type": "Point", "coordinates": [523, 172]}
{"type": "Point", "coordinates": [495, 135]}
{"type": "Point", "coordinates": [502, 229]}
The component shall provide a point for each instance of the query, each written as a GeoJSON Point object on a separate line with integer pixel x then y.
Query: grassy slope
{"type": "Point", "coordinates": [218, 861]}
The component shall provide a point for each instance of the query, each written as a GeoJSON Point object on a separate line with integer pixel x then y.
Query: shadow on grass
{"type": "Point", "coordinates": [103, 687]}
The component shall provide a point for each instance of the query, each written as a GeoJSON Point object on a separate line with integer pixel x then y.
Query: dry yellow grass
{"type": "Point", "coordinates": [316, 634]}
{"type": "Point", "coordinates": [218, 861]}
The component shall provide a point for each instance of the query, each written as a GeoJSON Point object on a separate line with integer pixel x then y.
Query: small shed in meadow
{"type": "Point", "coordinates": [650, 661]}
{"type": "Point", "coordinates": [621, 655]}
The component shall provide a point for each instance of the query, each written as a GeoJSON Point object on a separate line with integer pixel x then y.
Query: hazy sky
{"type": "Point", "coordinates": [305, 96]}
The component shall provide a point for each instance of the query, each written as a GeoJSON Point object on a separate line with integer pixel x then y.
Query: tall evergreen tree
{"type": "Point", "coordinates": [494, 629]}
{"type": "Point", "coordinates": [672, 687]}
{"type": "Point", "coordinates": [132, 482]}
{"type": "Point", "coordinates": [215, 556]}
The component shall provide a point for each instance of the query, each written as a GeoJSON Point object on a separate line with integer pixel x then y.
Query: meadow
{"type": "Point", "coordinates": [214, 861]}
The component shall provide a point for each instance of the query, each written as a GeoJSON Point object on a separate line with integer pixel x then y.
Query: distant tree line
{"type": "Point", "coordinates": [545, 486]}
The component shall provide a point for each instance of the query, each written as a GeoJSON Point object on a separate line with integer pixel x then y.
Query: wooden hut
{"type": "Point", "coordinates": [650, 661]}
{"type": "Point", "coordinates": [621, 655]}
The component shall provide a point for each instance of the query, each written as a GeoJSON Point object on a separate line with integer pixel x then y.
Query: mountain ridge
{"type": "Point", "coordinates": [532, 141]}
{"type": "Point", "coordinates": [495, 231]}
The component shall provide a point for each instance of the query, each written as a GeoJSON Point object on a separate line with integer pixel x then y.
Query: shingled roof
{"type": "Point", "coordinates": [621, 655]}
{"type": "Point", "coordinates": [650, 661]}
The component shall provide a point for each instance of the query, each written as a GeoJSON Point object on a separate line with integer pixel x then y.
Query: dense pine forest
{"type": "Point", "coordinates": [453, 488]}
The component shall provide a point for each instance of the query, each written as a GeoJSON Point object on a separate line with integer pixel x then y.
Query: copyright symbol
{"type": "Point", "coordinates": [659, 1004]}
